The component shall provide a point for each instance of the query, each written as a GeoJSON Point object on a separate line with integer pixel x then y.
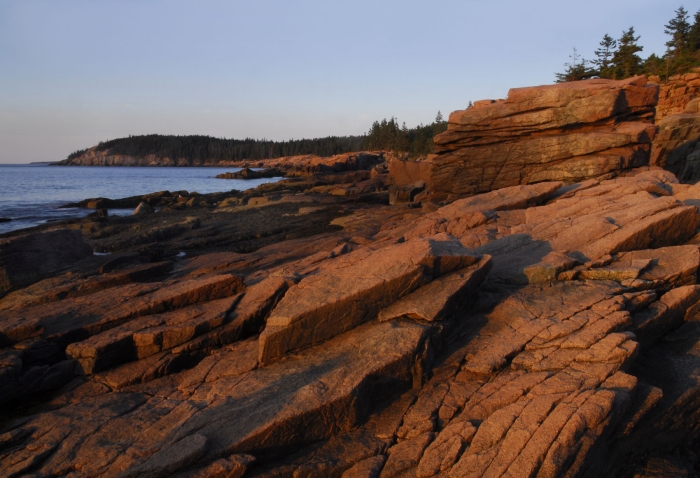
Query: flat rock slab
{"type": "Point", "coordinates": [441, 297]}
{"type": "Point", "coordinates": [66, 286]}
{"type": "Point", "coordinates": [514, 197]}
{"type": "Point", "coordinates": [76, 319]}
{"type": "Point", "coordinates": [353, 288]}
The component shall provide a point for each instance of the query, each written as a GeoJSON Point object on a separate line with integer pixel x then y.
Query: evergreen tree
{"type": "Point", "coordinates": [438, 118]}
{"type": "Point", "coordinates": [604, 57]}
{"type": "Point", "coordinates": [694, 34]}
{"type": "Point", "coordinates": [681, 53]}
{"type": "Point", "coordinates": [626, 62]}
{"type": "Point", "coordinates": [679, 30]}
{"type": "Point", "coordinates": [576, 70]}
{"type": "Point", "coordinates": [654, 66]}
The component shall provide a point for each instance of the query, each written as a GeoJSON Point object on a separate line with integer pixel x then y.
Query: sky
{"type": "Point", "coordinates": [76, 72]}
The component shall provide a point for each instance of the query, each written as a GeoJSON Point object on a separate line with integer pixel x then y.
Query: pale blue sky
{"type": "Point", "coordinates": [76, 72]}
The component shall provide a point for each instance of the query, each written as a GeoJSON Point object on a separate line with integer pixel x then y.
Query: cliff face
{"type": "Point", "coordinates": [675, 94]}
{"type": "Point", "coordinates": [570, 131]}
{"type": "Point", "coordinates": [302, 164]}
{"type": "Point", "coordinates": [92, 157]}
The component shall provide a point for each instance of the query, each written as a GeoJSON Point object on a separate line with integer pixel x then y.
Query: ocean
{"type": "Point", "coordinates": [31, 194]}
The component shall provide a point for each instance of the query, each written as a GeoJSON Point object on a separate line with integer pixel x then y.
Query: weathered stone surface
{"type": "Point", "coordinates": [675, 146]}
{"type": "Point", "coordinates": [29, 258]}
{"type": "Point", "coordinates": [143, 208]}
{"type": "Point", "coordinates": [569, 131]}
{"type": "Point", "coordinates": [352, 289]}
{"type": "Point", "coordinates": [149, 335]}
{"type": "Point", "coordinates": [404, 172]}
{"type": "Point", "coordinates": [549, 268]}
{"type": "Point", "coordinates": [441, 297]}
{"type": "Point", "coordinates": [368, 468]}
{"type": "Point", "coordinates": [170, 459]}
{"type": "Point", "coordinates": [109, 308]}
{"type": "Point", "coordinates": [68, 285]}
{"type": "Point", "coordinates": [676, 94]}
{"type": "Point", "coordinates": [576, 355]}
{"type": "Point", "coordinates": [323, 391]}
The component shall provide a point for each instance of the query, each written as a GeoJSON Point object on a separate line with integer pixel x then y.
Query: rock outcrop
{"type": "Point", "coordinates": [675, 147]}
{"type": "Point", "coordinates": [536, 330]}
{"type": "Point", "coordinates": [546, 325]}
{"type": "Point", "coordinates": [676, 93]}
{"type": "Point", "coordinates": [570, 131]}
{"type": "Point", "coordinates": [294, 165]}
{"type": "Point", "coordinates": [247, 173]}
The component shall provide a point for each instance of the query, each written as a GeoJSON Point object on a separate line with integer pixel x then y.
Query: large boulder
{"type": "Point", "coordinates": [29, 258]}
{"type": "Point", "coordinates": [569, 131]}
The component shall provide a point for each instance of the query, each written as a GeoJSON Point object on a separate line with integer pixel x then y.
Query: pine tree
{"type": "Point", "coordinates": [679, 29]}
{"type": "Point", "coordinates": [694, 34]}
{"type": "Point", "coordinates": [654, 66]}
{"type": "Point", "coordinates": [438, 118]}
{"type": "Point", "coordinates": [576, 70]}
{"type": "Point", "coordinates": [604, 57]}
{"type": "Point", "coordinates": [626, 62]}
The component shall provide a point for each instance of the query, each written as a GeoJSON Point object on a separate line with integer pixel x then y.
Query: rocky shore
{"type": "Point", "coordinates": [519, 309]}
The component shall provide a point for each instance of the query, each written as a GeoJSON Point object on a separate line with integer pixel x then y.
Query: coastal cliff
{"type": "Point", "coordinates": [93, 157]}
{"type": "Point", "coordinates": [308, 328]}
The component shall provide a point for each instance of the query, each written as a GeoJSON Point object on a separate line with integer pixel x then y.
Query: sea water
{"type": "Point", "coordinates": [31, 194]}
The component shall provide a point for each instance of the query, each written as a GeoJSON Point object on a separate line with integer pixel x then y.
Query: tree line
{"type": "Point", "coordinates": [618, 58]}
{"type": "Point", "coordinates": [384, 135]}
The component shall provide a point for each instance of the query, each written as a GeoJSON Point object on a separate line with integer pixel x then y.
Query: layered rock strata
{"type": "Point", "coordinates": [675, 147]}
{"type": "Point", "coordinates": [570, 131]}
{"type": "Point", "coordinates": [676, 93]}
{"type": "Point", "coordinates": [536, 330]}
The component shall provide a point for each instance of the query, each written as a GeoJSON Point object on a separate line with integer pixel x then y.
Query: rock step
{"type": "Point", "coordinates": [52, 290]}
{"type": "Point", "coordinates": [322, 391]}
{"type": "Point", "coordinates": [440, 298]}
{"type": "Point", "coordinates": [149, 335]}
{"type": "Point", "coordinates": [106, 309]}
{"type": "Point", "coordinates": [353, 288]}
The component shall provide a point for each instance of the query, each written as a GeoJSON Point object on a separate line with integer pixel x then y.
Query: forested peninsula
{"type": "Point", "coordinates": [197, 150]}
